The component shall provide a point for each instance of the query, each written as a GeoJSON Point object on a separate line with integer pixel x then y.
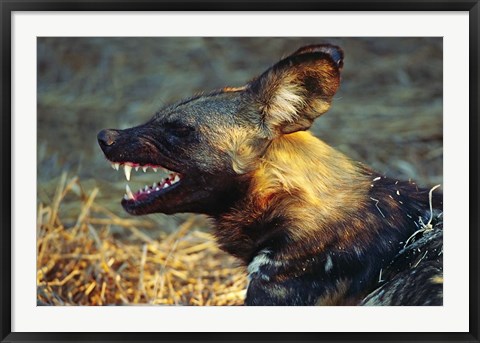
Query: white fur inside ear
{"type": "Point", "coordinates": [286, 103]}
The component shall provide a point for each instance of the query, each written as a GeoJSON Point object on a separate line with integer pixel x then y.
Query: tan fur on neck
{"type": "Point", "coordinates": [308, 181]}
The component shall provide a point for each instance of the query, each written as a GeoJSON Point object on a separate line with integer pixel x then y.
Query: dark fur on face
{"type": "Point", "coordinates": [313, 226]}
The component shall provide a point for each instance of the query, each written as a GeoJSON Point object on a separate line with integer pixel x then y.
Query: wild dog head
{"type": "Point", "coordinates": [209, 144]}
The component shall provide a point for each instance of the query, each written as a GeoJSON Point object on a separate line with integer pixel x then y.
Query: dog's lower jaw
{"type": "Point", "coordinates": [195, 193]}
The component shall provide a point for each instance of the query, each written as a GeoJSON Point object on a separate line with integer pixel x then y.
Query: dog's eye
{"type": "Point", "coordinates": [179, 129]}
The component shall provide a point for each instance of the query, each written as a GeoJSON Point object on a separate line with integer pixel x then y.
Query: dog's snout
{"type": "Point", "coordinates": [107, 137]}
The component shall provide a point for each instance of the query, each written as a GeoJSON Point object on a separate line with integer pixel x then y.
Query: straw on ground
{"type": "Point", "coordinates": [93, 257]}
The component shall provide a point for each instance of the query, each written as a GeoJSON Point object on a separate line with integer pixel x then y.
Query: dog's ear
{"type": "Point", "coordinates": [298, 89]}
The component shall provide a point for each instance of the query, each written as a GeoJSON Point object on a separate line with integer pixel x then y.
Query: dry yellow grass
{"type": "Point", "coordinates": [81, 262]}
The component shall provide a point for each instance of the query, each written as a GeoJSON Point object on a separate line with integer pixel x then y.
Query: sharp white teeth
{"type": "Point", "coordinates": [128, 170]}
{"type": "Point", "coordinates": [136, 168]}
{"type": "Point", "coordinates": [155, 169]}
{"type": "Point", "coordinates": [129, 194]}
{"type": "Point", "coordinates": [157, 189]}
{"type": "Point", "coordinates": [165, 186]}
{"type": "Point", "coordinates": [146, 187]}
{"type": "Point", "coordinates": [144, 168]}
{"type": "Point", "coordinates": [154, 185]}
{"type": "Point", "coordinates": [176, 178]}
{"type": "Point", "coordinates": [115, 165]}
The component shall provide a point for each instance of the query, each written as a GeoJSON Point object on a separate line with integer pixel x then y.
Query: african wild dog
{"type": "Point", "coordinates": [312, 226]}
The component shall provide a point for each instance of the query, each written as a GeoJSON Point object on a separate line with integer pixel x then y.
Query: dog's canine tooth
{"type": "Point", "coordinates": [144, 168]}
{"type": "Point", "coordinates": [128, 170]}
{"type": "Point", "coordinates": [176, 178]}
{"type": "Point", "coordinates": [136, 168]}
{"type": "Point", "coordinates": [129, 193]}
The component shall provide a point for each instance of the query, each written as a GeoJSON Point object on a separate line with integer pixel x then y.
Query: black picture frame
{"type": "Point", "coordinates": [8, 7]}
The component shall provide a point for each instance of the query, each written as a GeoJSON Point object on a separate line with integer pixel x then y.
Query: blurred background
{"type": "Point", "coordinates": [387, 114]}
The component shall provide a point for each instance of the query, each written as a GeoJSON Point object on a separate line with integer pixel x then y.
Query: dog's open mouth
{"type": "Point", "coordinates": [165, 181]}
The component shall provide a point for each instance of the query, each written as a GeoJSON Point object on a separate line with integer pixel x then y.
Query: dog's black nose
{"type": "Point", "coordinates": [107, 137]}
